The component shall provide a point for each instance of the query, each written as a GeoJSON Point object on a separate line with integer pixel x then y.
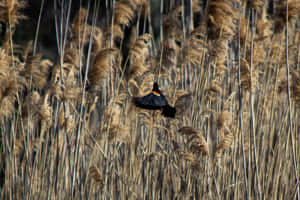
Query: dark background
{"type": "Point", "coordinates": [47, 43]}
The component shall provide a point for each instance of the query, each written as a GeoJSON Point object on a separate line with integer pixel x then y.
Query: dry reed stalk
{"type": "Point", "coordinates": [145, 174]}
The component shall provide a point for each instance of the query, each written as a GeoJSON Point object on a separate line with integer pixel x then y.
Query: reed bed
{"type": "Point", "coordinates": [69, 129]}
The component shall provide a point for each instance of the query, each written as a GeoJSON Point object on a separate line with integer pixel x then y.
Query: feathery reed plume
{"type": "Point", "coordinates": [27, 50]}
{"type": "Point", "coordinates": [118, 133]}
{"type": "Point", "coordinates": [213, 91]}
{"type": "Point", "coordinates": [45, 63]}
{"type": "Point", "coordinates": [18, 147]}
{"type": "Point", "coordinates": [103, 63]}
{"type": "Point", "coordinates": [223, 119]}
{"type": "Point", "coordinates": [70, 124]}
{"type": "Point", "coordinates": [263, 27]}
{"type": "Point", "coordinates": [169, 55]}
{"type": "Point", "coordinates": [171, 24]}
{"type": "Point", "coordinates": [115, 123]}
{"type": "Point", "coordinates": [294, 86]}
{"type": "Point", "coordinates": [221, 67]}
{"type": "Point", "coordinates": [280, 13]}
{"type": "Point", "coordinates": [293, 55]}
{"type": "Point", "coordinates": [36, 71]}
{"type": "Point", "coordinates": [118, 35]}
{"type": "Point", "coordinates": [55, 86]}
{"type": "Point", "coordinates": [136, 71]}
{"type": "Point", "coordinates": [71, 56]}
{"type": "Point", "coordinates": [256, 4]}
{"type": "Point", "coordinates": [183, 102]}
{"type": "Point", "coordinates": [196, 141]}
{"type": "Point", "coordinates": [6, 40]}
{"type": "Point", "coordinates": [4, 64]}
{"type": "Point", "coordinates": [259, 53]}
{"type": "Point", "coordinates": [221, 19]}
{"type": "Point", "coordinates": [97, 39]}
{"type": "Point", "coordinates": [139, 51]}
{"type": "Point", "coordinates": [188, 156]}
{"type": "Point", "coordinates": [45, 115]}
{"type": "Point", "coordinates": [62, 114]}
{"type": "Point", "coordinates": [80, 30]}
{"type": "Point", "coordinates": [261, 40]}
{"type": "Point", "coordinates": [45, 111]}
{"type": "Point", "coordinates": [32, 65]}
{"type": "Point", "coordinates": [124, 12]}
{"type": "Point", "coordinates": [65, 119]}
{"type": "Point", "coordinates": [224, 144]}
{"type": "Point", "coordinates": [153, 156]}
{"type": "Point", "coordinates": [30, 106]}
{"type": "Point", "coordinates": [221, 23]}
{"type": "Point", "coordinates": [10, 11]}
{"type": "Point", "coordinates": [198, 144]}
{"type": "Point", "coordinates": [138, 55]}
{"type": "Point", "coordinates": [72, 89]}
{"type": "Point", "coordinates": [189, 131]}
{"type": "Point", "coordinates": [245, 76]}
{"type": "Point", "coordinates": [142, 84]}
{"type": "Point", "coordinates": [197, 6]}
{"type": "Point", "coordinates": [95, 174]}
{"type": "Point", "coordinates": [194, 47]}
{"type": "Point", "coordinates": [191, 158]}
{"type": "Point", "coordinates": [244, 34]}
{"type": "Point", "coordinates": [9, 85]}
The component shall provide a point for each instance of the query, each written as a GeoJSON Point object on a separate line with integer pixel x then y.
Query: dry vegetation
{"type": "Point", "coordinates": [69, 129]}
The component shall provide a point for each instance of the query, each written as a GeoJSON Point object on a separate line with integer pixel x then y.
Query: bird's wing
{"type": "Point", "coordinates": [151, 101]}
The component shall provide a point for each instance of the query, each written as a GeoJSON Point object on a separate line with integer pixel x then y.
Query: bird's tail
{"type": "Point", "coordinates": [169, 111]}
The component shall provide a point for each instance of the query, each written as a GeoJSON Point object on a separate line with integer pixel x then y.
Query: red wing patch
{"type": "Point", "coordinates": [155, 93]}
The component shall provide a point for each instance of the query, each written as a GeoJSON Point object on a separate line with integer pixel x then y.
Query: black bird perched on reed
{"type": "Point", "coordinates": [155, 101]}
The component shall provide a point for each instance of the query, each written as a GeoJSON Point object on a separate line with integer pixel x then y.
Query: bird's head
{"type": "Point", "coordinates": [155, 87]}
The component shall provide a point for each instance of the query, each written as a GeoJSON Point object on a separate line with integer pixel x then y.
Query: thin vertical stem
{"type": "Point", "coordinates": [161, 20]}
{"type": "Point", "coordinates": [38, 27]}
{"type": "Point", "coordinates": [252, 126]}
{"type": "Point", "coordinates": [290, 129]}
{"type": "Point", "coordinates": [77, 142]}
{"type": "Point", "coordinates": [241, 109]}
